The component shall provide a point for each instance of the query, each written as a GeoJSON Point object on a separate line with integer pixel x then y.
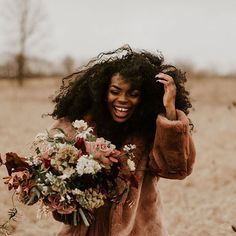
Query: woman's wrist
{"type": "Point", "coordinates": [171, 112]}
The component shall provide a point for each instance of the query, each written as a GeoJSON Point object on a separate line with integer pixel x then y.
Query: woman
{"type": "Point", "coordinates": [131, 97]}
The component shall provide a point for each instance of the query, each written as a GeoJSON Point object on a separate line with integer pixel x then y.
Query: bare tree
{"type": "Point", "coordinates": [25, 21]}
{"type": "Point", "coordinates": [68, 63]}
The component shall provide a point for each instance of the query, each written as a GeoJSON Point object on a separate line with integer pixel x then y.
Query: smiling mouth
{"type": "Point", "coordinates": [121, 112]}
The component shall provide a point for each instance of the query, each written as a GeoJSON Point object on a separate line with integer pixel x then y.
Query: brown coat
{"type": "Point", "coordinates": [172, 157]}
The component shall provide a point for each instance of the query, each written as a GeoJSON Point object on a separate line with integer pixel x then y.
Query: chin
{"type": "Point", "coordinates": [120, 119]}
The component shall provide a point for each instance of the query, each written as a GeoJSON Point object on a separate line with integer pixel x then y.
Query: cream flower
{"type": "Point", "coordinates": [82, 128]}
{"type": "Point", "coordinates": [59, 136]}
{"type": "Point", "coordinates": [131, 165]}
{"type": "Point", "coordinates": [67, 173]}
{"type": "Point", "coordinates": [90, 199]}
{"type": "Point", "coordinates": [80, 125]}
{"type": "Point", "coordinates": [41, 137]}
{"type": "Point", "coordinates": [86, 165]}
{"type": "Point", "coordinates": [129, 147]}
{"type": "Point", "coordinates": [65, 156]}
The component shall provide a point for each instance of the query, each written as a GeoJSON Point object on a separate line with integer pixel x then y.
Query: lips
{"type": "Point", "coordinates": [121, 111]}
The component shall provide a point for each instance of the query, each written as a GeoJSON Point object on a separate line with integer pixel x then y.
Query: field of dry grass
{"type": "Point", "coordinates": [204, 204]}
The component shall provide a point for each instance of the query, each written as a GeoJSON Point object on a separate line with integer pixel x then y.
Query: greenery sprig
{"type": "Point", "coordinates": [12, 216]}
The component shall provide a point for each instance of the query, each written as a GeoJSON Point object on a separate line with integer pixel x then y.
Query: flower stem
{"type": "Point", "coordinates": [75, 218]}
{"type": "Point", "coordinates": [83, 217]}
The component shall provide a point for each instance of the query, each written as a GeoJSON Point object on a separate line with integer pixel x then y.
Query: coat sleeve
{"type": "Point", "coordinates": [173, 152]}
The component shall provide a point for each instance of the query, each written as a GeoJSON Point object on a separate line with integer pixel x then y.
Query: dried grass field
{"type": "Point", "coordinates": [204, 204]}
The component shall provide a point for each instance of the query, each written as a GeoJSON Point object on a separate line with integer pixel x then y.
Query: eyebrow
{"type": "Point", "coordinates": [115, 86]}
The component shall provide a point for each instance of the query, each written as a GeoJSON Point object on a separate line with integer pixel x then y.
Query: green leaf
{"type": "Point", "coordinates": [35, 196]}
{"type": "Point", "coordinates": [37, 150]}
{"type": "Point", "coordinates": [61, 130]}
{"type": "Point", "coordinates": [12, 213]}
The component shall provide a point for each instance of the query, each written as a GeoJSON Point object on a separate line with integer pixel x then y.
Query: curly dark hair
{"type": "Point", "coordinates": [84, 93]}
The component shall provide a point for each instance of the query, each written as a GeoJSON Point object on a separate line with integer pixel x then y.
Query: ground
{"type": "Point", "coordinates": [203, 204]}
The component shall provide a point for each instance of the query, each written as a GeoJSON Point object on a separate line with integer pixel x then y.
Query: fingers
{"type": "Point", "coordinates": [112, 159]}
{"type": "Point", "coordinates": [164, 79]}
{"type": "Point", "coordinates": [107, 161]}
{"type": "Point", "coordinates": [169, 89]}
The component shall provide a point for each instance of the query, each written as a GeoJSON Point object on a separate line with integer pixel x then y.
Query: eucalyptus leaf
{"type": "Point", "coordinates": [61, 130]}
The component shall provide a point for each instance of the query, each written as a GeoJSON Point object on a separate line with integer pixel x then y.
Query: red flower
{"type": "Point", "coordinates": [45, 160]}
{"type": "Point", "coordinates": [80, 144]}
{"type": "Point", "coordinates": [15, 163]}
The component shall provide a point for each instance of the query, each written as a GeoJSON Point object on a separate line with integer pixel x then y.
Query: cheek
{"type": "Point", "coordinates": [136, 101]}
{"type": "Point", "coordinates": [109, 99]}
{"type": "Point", "coordinates": [109, 102]}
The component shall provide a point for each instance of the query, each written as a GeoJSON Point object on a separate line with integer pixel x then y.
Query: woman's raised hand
{"type": "Point", "coordinates": [169, 95]}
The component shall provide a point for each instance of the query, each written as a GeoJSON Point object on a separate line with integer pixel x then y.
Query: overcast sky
{"type": "Point", "coordinates": [202, 32]}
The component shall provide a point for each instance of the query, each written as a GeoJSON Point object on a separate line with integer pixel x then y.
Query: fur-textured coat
{"type": "Point", "coordinates": [140, 211]}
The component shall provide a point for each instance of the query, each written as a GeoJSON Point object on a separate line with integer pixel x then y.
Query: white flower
{"type": "Point", "coordinates": [131, 165]}
{"type": "Point", "coordinates": [51, 178]}
{"type": "Point", "coordinates": [41, 137]}
{"type": "Point", "coordinates": [129, 147]}
{"type": "Point", "coordinates": [80, 124]}
{"type": "Point", "coordinates": [84, 134]}
{"type": "Point", "coordinates": [68, 197]}
{"type": "Point", "coordinates": [76, 191]}
{"type": "Point", "coordinates": [112, 146]}
{"type": "Point", "coordinates": [51, 149]}
{"type": "Point", "coordinates": [59, 136]}
{"type": "Point", "coordinates": [86, 165]}
{"type": "Point", "coordinates": [82, 128]}
{"type": "Point", "coordinates": [45, 190]}
{"type": "Point", "coordinates": [59, 185]}
{"type": "Point", "coordinates": [62, 199]}
{"type": "Point", "coordinates": [34, 160]}
{"type": "Point", "coordinates": [57, 146]}
{"type": "Point", "coordinates": [89, 170]}
{"type": "Point", "coordinates": [67, 173]}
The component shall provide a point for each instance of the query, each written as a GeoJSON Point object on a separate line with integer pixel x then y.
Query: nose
{"type": "Point", "coordinates": [122, 98]}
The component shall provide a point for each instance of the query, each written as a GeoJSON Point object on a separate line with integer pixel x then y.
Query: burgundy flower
{"type": "Point", "coordinates": [80, 144]}
{"type": "Point", "coordinates": [15, 163]}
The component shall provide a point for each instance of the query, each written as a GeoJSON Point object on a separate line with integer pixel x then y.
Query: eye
{"type": "Point", "coordinates": [114, 91]}
{"type": "Point", "coordinates": [134, 93]}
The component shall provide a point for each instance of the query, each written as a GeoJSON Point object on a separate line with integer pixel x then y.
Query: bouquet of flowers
{"type": "Point", "coordinates": [71, 177]}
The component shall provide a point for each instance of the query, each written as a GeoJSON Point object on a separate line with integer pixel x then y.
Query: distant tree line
{"type": "Point", "coordinates": [24, 27]}
{"type": "Point", "coordinates": [36, 67]}
{"type": "Point", "coordinates": [24, 24]}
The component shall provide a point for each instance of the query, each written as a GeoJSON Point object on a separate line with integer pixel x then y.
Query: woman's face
{"type": "Point", "coordinates": [121, 98]}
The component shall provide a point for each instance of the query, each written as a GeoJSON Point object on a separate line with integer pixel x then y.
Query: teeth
{"type": "Point", "coordinates": [121, 109]}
